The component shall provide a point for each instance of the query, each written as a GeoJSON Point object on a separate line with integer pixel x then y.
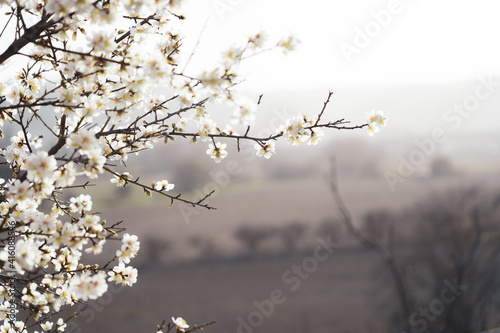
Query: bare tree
{"type": "Point", "coordinates": [386, 253]}
{"type": "Point", "coordinates": [451, 246]}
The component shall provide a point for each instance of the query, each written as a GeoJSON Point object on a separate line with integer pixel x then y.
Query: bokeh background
{"type": "Point", "coordinates": [425, 189]}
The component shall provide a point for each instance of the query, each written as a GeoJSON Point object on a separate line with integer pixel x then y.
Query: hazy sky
{"type": "Point", "coordinates": [421, 41]}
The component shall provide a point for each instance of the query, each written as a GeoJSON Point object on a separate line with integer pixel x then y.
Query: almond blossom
{"type": "Point", "coordinates": [376, 119]}
{"type": "Point", "coordinates": [217, 151]}
{"type": "Point", "coordinates": [180, 323]}
{"type": "Point", "coordinates": [267, 150]}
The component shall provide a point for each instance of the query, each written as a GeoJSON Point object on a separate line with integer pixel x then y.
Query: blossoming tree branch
{"type": "Point", "coordinates": [96, 82]}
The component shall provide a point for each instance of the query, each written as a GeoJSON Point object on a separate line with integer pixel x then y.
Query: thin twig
{"type": "Point", "coordinates": [199, 203]}
{"type": "Point", "coordinates": [30, 35]}
{"type": "Point", "coordinates": [195, 47]}
{"type": "Point", "coordinates": [324, 107]}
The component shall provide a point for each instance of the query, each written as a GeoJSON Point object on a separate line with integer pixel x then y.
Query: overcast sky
{"type": "Point", "coordinates": [420, 42]}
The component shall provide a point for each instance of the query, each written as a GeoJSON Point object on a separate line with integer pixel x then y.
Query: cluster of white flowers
{"type": "Point", "coordinates": [129, 248]}
{"type": "Point", "coordinates": [47, 243]}
{"type": "Point", "coordinates": [127, 276]}
{"type": "Point", "coordinates": [296, 131]}
{"type": "Point", "coordinates": [376, 119]}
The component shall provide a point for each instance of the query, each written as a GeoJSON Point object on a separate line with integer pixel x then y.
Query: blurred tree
{"type": "Point", "coordinates": [445, 266]}
{"type": "Point", "coordinates": [441, 166]}
{"type": "Point", "coordinates": [252, 238]}
{"type": "Point", "coordinates": [156, 249]}
{"type": "Point", "coordinates": [291, 235]}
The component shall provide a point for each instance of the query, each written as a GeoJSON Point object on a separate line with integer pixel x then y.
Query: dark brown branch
{"type": "Point", "coordinates": [83, 54]}
{"type": "Point", "coordinates": [196, 327]}
{"type": "Point", "coordinates": [62, 138]}
{"type": "Point", "coordinates": [36, 104]}
{"type": "Point", "coordinates": [125, 35]}
{"type": "Point", "coordinates": [260, 140]}
{"type": "Point", "coordinates": [29, 36]}
{"type": "Point", "coordinates": [260, 99]}
{"type": "Point", "coordinates": [171, 197]}
{"type": "Point", "coordinates": [334, 125]}
{"type": "Point", "coordinates": [324, 107]}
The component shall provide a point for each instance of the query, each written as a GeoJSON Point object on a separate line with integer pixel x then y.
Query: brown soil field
{"type": "Point", "coordinates": [337, 297]}
{"type": "Point", "coordinates": [344, 293]}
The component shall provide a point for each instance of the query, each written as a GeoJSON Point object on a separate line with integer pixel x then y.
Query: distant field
{"type": "Point", "coordinates": [270, 203]}
{"type": "Point", "coordinates": [343, 295]}
{"type": "Point", "coordinates": [339, 296]}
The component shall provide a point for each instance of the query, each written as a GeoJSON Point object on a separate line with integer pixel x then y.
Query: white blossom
{"type": "Point", "coordinates": [217, 151]}
{"type": "Point", "coordinates": [123, 275]}
{"type": "Point", "coordinates": [266, 150]}
{"type": "Point", "coordinates": [40, 166]}
{"type": "Point", "coordinates": [376, 119]}
{"type": "Point", "coordinates": [180, 323]}
{"type": "Point", "coordinates": [163, 185]}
